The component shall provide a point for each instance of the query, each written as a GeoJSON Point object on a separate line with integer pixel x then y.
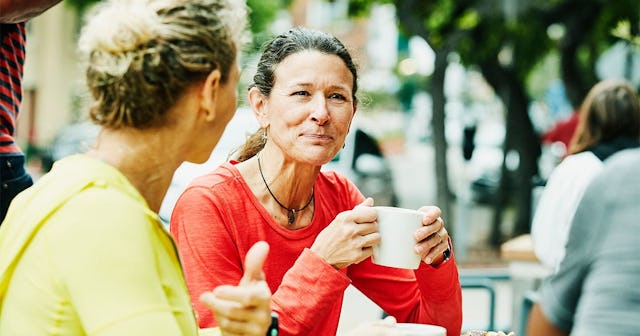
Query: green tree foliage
{"type": "Point", "coordinates": [81, 5]}
{"type": "Point", "coordinates": [623, 31]}
{"type": "Point", "coordinates": [261, 15]}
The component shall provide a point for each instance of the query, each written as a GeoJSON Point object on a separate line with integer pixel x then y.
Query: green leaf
{"type": "Point", "coordinates": [622, 30]}
{"type": "Point", "coordinates": [469, 19]}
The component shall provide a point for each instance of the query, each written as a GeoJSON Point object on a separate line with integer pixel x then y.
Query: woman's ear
{"type": "Point", "coordinates": [258, 103]}
{"type": "Point", "coordinates": [209, 94]}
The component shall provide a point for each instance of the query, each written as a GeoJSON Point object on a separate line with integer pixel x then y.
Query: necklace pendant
{"type": "Point", "coordinates": [292, 217]}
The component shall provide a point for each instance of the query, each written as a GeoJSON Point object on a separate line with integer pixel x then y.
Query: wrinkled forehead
{"type": "Point", "coordinates": [313, 67]}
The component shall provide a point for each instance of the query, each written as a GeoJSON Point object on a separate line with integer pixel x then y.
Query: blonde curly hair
{"type": "Point", "coordinates": [142, 54]}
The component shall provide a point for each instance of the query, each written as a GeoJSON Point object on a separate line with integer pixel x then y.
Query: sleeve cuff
{"type": "Point", "coordinates": [308, 292]}
{"type": "Point", "coordinates": [308, 257]}
{"type": "Point", "coordinates": [439, 283]}
{"type": "Point", "coordinates": [444, 257]}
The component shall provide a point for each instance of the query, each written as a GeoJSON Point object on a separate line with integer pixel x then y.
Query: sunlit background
{"type": "Point", "coordinates": [457, 93]}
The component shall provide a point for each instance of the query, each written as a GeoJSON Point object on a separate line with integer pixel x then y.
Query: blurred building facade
{"type": "Point", "coordinates": [51, 77]}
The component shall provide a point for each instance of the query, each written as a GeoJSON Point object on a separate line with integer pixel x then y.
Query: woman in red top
{"type": "Point", "coordinates": [321, 229]}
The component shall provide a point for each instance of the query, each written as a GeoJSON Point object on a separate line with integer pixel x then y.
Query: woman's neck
{"type": "Point", "coordinates": [281, 187]}
{"type": "Point", "coordinates": [141, 156]}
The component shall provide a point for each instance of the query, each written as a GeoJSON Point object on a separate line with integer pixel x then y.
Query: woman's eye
{"type": "Point", "coordinates": [337, 96]}
{"type": "Point", "coordinates": [300, 93]}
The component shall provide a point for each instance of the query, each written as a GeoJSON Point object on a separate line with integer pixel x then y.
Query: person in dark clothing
{"type": "Point", "coordinates": [13, 17]}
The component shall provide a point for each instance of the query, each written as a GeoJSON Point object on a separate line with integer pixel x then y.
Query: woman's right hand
{"type": "Point", "coordinates": [350, 237]}
{"type": "Point", "coordinates": [244, 309]}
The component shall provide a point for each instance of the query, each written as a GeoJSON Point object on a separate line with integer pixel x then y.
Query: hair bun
{"type": "Point", "coordinates": [118, 27]}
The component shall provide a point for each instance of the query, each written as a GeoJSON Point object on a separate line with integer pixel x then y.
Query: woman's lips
{"type": "Point", "coordinates": [317, 137]}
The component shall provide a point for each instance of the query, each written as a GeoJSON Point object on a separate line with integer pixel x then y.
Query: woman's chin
{"type": "Point", "coordinates": [319, 154]}
{"type": "Point", "coordinates": [199, 159]}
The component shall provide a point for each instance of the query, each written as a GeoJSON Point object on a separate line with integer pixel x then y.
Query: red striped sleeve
{"type": "Point", "coordinates": [12, 54]}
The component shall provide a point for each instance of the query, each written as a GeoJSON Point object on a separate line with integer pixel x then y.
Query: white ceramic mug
{"type": "Point", "coordinates": [415, 329]}
{"type": "Point", "coordinates": [397, 243]}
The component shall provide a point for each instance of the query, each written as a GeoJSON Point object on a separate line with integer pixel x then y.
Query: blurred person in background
{"type": "Point", "coordinates": [13, 17]}
{"type": "Point", "coordinates": [319, 224]}
{"type": "Point", "coordinates": [609, 122]}
{"type": "Point", "coordinates": [83, 251]}
{"type": "Point", "coordinates": [565, 116]}
{"type": "Point", "coordinates": [562, 131]}
{"type": "Point", "coordinates": [595, 291]}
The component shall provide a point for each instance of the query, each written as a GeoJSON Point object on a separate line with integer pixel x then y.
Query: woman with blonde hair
{"type": "Point", "coordinates": [83, 251]}
{"type": "Point", "coordinates": [609, 122]}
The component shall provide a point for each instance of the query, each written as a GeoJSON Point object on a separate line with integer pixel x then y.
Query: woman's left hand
{"type": "Point", "coordinates": [432, 238]}
{"type": "Point", "coordinates": [244, 309]}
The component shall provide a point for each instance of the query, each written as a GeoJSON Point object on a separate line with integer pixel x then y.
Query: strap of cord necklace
{"type": "Point", "coordinates": [291, 213]}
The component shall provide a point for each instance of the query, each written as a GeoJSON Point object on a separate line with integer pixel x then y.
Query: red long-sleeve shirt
{"type": "Point", "coordinates": [218, 219]}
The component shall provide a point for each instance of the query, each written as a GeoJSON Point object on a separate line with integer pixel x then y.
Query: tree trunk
{"type": "Point", "coordinates": [577, 76]}
{"type": "Point", "coordinates": [439, 140]}
{"type": "Point", "coordinates": [520, 138]}
{"type": "Point", "coordinates": [528, 147]}
{"type": "Point", "coordinates": [577, 83]}
{"type": "Point", "coordinates": [415, 25]}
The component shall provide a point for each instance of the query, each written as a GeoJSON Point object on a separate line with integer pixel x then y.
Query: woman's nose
{"type": "Point", "coordinates": [320, 113]}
